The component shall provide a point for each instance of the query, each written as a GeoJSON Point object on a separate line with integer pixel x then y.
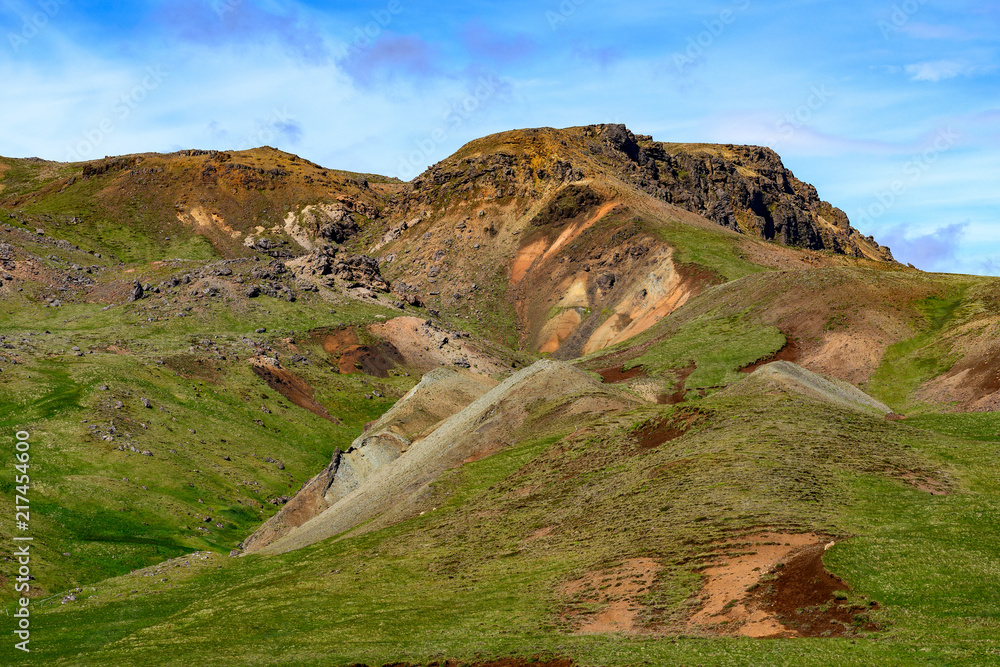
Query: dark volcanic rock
{"type": "Point", "coordinates": [136, 292]}
{"type": "Point", "coordinates": [341, 230]}
{"type": "Point", "coordinates": [744, 188]}
{"type": "Point", "coordinates": [360, 271]}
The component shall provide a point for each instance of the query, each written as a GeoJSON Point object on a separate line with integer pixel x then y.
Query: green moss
{"type": "Point", "coordinates": [709, 249]}
{"type": "Point", "coordinates": [718, 346]}
{"type": "Point", "coordinates": [909, 363]}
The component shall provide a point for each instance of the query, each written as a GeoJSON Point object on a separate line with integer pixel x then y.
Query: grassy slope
{"type": "Point", "coordinates": [203, 409]}
{"type": "Point", "coordinates": [465, 579]}
{"type": "Point", "coordinates": [789, 464]}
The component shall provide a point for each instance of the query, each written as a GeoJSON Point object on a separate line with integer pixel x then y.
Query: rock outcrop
{"type": "Point", "coordinates": [743, 188]}
{"type": "Point", "coordinates": [330, 264]}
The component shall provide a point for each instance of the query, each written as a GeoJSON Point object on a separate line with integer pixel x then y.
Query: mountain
{"type": "Point", "coordinates": [569, 397]}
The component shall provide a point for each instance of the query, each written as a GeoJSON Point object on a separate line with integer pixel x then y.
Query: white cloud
{"type": "Point", "coordinates": [940, 70]}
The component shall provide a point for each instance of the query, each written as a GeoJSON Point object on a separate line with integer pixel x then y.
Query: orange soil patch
{"type": "Point", "coordinates": [663, 291]}
{"type": "Point", "coordinates": [349, 356]}
{"type": "Point", "coordinates": [558, 329]}
{"type": "Point", "coordinates": [847, 354]}
{"type": "Point", "coordinates": [617, 592]}
{"type": "Point", "coordinates": [776, 587]}
{"type": "Point", "coordinates": [419, 346]}
{"type": "Point", "coordinates": [335, 341]}
{"type": "Point", "coordinates": [730, 581]}
{"type": "Point", "coordinates": [292, 387]}
{"type": "Point", "coordinates": [540, 251]}
{"type": "Point", "coordinates": [660, 292]}
{"type": "Point", "coordinates": [526, 256]}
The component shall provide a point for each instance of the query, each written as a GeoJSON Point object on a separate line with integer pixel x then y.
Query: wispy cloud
{"type": "Point", "coordinates": [604, 56]}
{"type": "Point", "coordinates": [244, 23]}
{"type": "Point", "coordinates": [484, 43]}
{"type": "Point", "coordinates": [935, 250]}
{"type": "Point", "coordinates": [941, 70]}
{"type": "Point", "coordinates": [936, 31]}
{"type": "Point", "coordinates": [391, 57]}
{"type": "Point", "coordinates": [290, 130]}
{"type": "Point", "coordinates": [990, 266]}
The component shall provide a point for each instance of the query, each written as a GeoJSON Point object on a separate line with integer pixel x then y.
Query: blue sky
{"type": "Point", "coordinates": [892, 109]}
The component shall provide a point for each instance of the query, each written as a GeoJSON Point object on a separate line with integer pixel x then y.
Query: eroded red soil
{"type": "Point", "coordinates": [348, 355]}
{"type": "Point", "coordinates": [790, 352]}
{"type": "Point", "coordinates": [618, 374]}
{"type": "Point", "coordinates": [292, 387]}
{"type": "Point", "coordinates": [775, 585]}
{"type": "Point", "coordinates": [803, 598]}
{"type": "Point", "coordinates": [655, 432]}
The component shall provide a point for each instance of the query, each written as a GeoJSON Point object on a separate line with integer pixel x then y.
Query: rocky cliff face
{"type": "Point", "coordinates": [744, 188]}
{"type": "Point", "coordinates": [561, 240]}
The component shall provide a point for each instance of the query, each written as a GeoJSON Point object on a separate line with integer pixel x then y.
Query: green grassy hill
{"type": "Point", "coordinates": [179, 391]}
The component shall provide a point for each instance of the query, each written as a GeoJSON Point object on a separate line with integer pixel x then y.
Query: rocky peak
{"type": "Point", "coordinates": [744, 188]}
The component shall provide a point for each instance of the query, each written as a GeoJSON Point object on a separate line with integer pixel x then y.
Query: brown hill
{"type": "Point", "coordinates": [567, 241]}
{"type": "Point", "coordinates": [261, 200]}
{"type": "Point", "coordinates": [562, 242]}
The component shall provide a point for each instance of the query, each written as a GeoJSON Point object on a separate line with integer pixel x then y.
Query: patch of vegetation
{"type": "Point", "coordinates": [706, 248]}
{"type": "Point", "coordinates": [910, 363]}
{"type": "Point", "coordinates": [210, 429]}
{"type": "Point", "coordinates": [718, 346]}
